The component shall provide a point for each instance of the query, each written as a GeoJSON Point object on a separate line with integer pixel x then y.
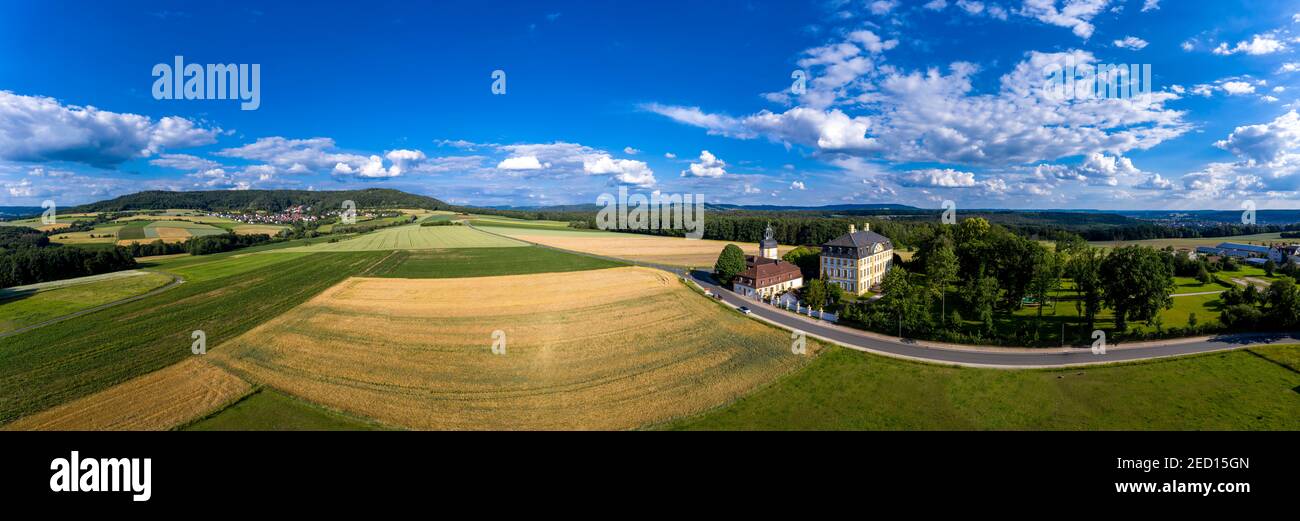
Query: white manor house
{"type": "Point", "coordinates": [858, 260]}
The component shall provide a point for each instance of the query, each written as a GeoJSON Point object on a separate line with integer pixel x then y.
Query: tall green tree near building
{"type": "Point", "coordinates": [730, 263]}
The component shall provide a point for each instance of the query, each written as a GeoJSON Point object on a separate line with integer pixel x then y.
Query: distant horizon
{"type": "Point", "coordinates": [789, 206]}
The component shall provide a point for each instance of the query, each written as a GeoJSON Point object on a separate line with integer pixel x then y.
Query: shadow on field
{"type": "Point", "coordinates": [1250, 338]}
{"type": "Point", "coordinates": [9, 296]}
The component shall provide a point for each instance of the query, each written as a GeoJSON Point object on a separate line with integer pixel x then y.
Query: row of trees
{"type": "Point", "coordinates": [209, 244]}
{"type": "Point", "coordinates": [998, 272]}
{"type": "Point", "coordinates": [787, 229]}
{"type": "Point", "coordinates": [269, 200]}
{"type": "Point", "coordinates": [202, 245]}
{"type": "Point", "coordinates": [31, 265]}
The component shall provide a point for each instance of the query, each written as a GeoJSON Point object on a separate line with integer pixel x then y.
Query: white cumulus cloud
{"type": "Point", "coordinates": [708, 166]}
{"type": "Point", "coordinates": [39, 129]}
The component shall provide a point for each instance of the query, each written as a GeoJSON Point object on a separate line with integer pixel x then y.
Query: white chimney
{"type": "Point", "coordinates": [866, 227]}
{"type": "Point", "coordinates": [852, 228]}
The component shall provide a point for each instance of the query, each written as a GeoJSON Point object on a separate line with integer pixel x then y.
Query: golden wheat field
{"type": "Point", "coordinates": [673, 251]}
{"type": "Point", "coordinates": [159, 400]}
{"type": "Point", "coordinates": [606, 349]}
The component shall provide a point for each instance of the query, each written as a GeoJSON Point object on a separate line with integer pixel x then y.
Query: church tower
{"type": "Point", "coordinates": [767, 247]}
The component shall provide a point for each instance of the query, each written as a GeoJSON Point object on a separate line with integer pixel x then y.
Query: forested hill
{"type": "Point", "coordinates": [270, 200]}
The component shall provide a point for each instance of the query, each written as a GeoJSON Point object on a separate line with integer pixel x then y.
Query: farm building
{"type": "Point", "coordinates": [858, 260]}
{"type": "Point", "coordinates": [1244, 250]}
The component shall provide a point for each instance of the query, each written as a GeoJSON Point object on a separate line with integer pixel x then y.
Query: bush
{"type": "Point", "coordinates": [1240, 316]}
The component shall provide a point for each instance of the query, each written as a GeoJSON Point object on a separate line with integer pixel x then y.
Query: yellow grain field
{"type": "Point", "coordinates": [673, 251]}
{"type": "Point", "coordinates": [149, 240]}
{"type": "Point", "coordinates": [605, 349]}
{"type": "Point", "coordinates": [266, 229]}
{"type": "Point", "coordinates": [159, 400]}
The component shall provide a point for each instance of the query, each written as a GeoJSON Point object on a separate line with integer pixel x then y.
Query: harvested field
{"type": "Point", "coordinates": [168, 240]}
{"type": "Point", "coordinates": [159, 400]}
{"type": "Point", "coordinates": [96, 236]}
{"type": "Point", "coordinates": [53, 227]}
{"type": "Point", "coordinates": [50, 366]}
{"type": "Point", "coordinates": [616, 348]}
{"type": "Point", "coordinates": [646, 248]}
{"type": "Point", "coordinates": [414, 237]}
{"type": "Point", "coordinates": [252, 229]}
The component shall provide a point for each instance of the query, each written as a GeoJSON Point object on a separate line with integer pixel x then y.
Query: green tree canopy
{"type": "Point", "coordinates": [1137, 283]}
{"type": "Point", "coordinates": [730, 263]}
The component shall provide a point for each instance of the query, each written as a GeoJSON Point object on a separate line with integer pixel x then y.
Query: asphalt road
{"type": "Point", "coordinates": [967, 355]}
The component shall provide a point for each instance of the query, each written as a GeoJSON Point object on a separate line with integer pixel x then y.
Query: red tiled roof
{"type": "Point", "coordinates": [769, 273]}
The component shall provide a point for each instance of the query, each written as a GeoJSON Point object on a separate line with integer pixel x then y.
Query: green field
{"type": "Point", "coordinates": [132, 230]}
{"type": "Point", "coordinates": [483, 262]}
{"type": "Point", "coordinates": [844, 389]}
{"type": "Point", "coordinates": [35, 222]}
{"type": "Point", "coordinates": [507, 222]}
{"type": "Point", "coordinates": [28, 308]}
{"type": "Point", "coordinates": [229, 265]}
{"type": "Point", "coordinates": [48, 366]}
{"type": "Point", "coordinates": [1259, 238]}
{"type": "Point", "coordinates": [415, 237]}
{"type": "Point", "coordinates": [268, 410]}
{"type": "Point", "coordinates": [170, 263]}
{"type": "Point", "coordinates": [195, 229]}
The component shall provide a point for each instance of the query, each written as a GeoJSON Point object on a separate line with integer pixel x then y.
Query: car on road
{"type": "Point", "coordinates": [744, 310]}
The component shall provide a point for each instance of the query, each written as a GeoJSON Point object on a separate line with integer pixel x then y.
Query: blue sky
{"type": "Point", "coordinates": [909, 102]}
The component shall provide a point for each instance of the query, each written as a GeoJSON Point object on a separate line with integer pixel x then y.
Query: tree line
{"type": "Point", "coordinates": [28, 257]}
{"type": "Point", "coordinates": [199, 245]}
{"type": "Point", "coordinates": [268, 200]}
{"type": "Point", "coordinates": [993, 272]}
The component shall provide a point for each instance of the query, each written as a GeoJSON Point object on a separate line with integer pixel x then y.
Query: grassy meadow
{"type": "Point", "coordinates": [29, 308]}
{"type": "Point", "coordinates": [483, 262]}
{"type": "Point", "coordinates": [1259, 238]}
{"type": "Point", "coordinates": [269, 410]}
{"type": "Point", "coordinates": [842, 389]}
